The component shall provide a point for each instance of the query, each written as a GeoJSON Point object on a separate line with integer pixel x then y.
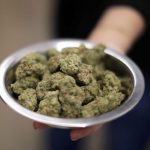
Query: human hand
{"type": "Point", "coordinates": [118, 28]}
{"type": "Point", "coordinates": [75, 134]}
{"type": "Point", "coordinates": [79, 133]}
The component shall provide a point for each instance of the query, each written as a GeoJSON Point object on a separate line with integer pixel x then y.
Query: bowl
{"type": "Point", "coordinates": [119, 63]}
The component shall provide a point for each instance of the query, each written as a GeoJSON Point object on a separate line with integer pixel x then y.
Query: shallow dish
{"type": "Point", "coordinates": [119, 63]}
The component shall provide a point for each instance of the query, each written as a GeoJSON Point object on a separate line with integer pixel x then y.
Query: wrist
{"type": "Point", "coordinates": [115, 39]}
{"type": "Point", "coordinates": [118, 28]}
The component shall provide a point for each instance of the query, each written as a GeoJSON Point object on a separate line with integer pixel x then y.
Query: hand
{"type": "Point", "coordinates": [79, 133]}
{"type": "Point", "coordinates": [75, 134]}
{"type": "Point", "coordinates": [118, 28]}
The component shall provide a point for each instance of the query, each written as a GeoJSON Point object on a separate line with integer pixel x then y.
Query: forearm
{"type": "Point", "coordinates": [119, 28]}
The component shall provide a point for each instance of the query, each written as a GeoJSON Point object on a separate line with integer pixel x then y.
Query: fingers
{"type": "Point", "coordinates": [37, 125]}
{"type": "Point", "coordinates": [75, 133]}
{"type": "Point", "coordinates": [83, 132]}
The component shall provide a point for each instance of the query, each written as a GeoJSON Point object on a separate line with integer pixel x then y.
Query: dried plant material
{"type": "Point", "coordinates": [73, 83]}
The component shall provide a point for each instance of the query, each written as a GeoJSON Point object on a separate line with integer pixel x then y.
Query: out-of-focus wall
{"type": "Point", "coordinates": [22, 23]}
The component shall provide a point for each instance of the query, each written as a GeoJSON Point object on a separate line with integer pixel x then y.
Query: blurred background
{"type": "Point", "coordinates": [22, 23]}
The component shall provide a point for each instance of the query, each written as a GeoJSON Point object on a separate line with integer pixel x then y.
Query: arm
{"type": "Point", "coordinates": [119, 28]}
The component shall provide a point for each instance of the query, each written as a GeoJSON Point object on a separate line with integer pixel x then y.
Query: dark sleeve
{"type": "Point", "coordinates": [142, 6]}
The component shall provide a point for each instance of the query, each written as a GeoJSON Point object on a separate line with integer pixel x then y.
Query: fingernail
{"type": "Point", "coordinates": [74, 137]}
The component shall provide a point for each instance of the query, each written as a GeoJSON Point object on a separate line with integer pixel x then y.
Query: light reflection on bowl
{"type": "Point", "coordinates": [119, 63]}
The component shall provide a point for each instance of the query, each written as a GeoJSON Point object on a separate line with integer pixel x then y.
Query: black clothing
{"type": "Point", "coordinates": [77, 18]}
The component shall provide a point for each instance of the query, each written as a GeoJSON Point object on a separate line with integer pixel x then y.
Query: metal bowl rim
{"type": "Point", "coordinates": [130, 103]}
